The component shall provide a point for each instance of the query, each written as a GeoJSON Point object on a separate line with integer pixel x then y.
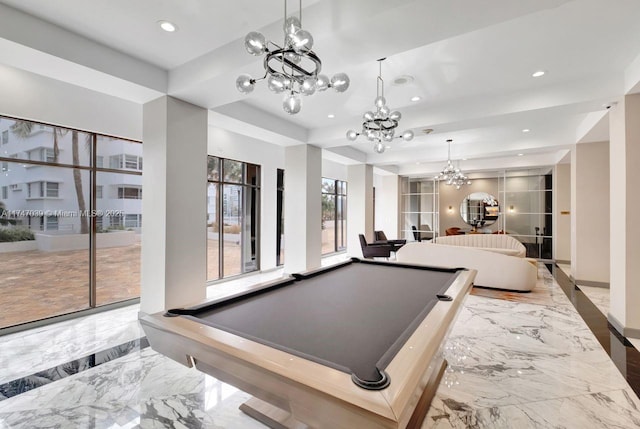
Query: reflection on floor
{"type": "Point", "coordinates": [599, 296]}
{"type": "Point", "coordinates": [513, 364]}
{"type": "Point", "coordinates": [566, 268]}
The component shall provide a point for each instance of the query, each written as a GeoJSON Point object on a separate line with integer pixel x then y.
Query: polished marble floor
{"type": "Point", "coordinates": [599, 296]}
{"type": "Point", "coordinates": [513, 364]}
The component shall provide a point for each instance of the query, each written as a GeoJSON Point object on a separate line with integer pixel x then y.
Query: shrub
{"type": "Point", "coordinates": [15, 234]}
{"type": "Point", "coordinates": [232, 229]}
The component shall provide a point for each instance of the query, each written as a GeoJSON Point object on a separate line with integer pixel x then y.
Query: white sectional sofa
{"type": "Point", "coordinates": [495, 269]}
{"type": "Point", "coordinates": [499, 243]}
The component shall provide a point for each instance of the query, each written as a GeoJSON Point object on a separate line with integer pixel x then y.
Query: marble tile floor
{"type": "Point", "coordinates": [599, 296]}
{"type": "Point", "coordinates": [513, 364]}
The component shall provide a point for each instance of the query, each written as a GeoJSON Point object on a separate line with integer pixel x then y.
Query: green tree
{"type": "Point", "coordinates": [22, 129]}
{"type": "Point", "coordinates": [77, 181]}
{"type": "Point", "coordinates": [3, 216]}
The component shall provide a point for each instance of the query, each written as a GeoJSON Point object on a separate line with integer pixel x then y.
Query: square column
{"type": "Point", "coordinates": [388, 206]}
{"type": "Point", "coordinates": [302, 208]}
{"type": "Point", "coordinates": [359, 206]}
{"type": "Point", "coordinates": [174, 241]}
{"type": "Point", "coordinates": [624, 129]}
{"type": "Point", "coordinates": [590, 214]}
{"type": "Point", "coordinates": [562, 213]}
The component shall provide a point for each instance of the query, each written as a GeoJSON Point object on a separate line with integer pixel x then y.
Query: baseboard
{"type": "Point", "coordinates": [603, 285]}
{"type": "Point", "coordinates": [68, 316]}
{"type": "Point", "coordinates": [625, 332]}
{"type": "Point", "coordinates": [615, 323]}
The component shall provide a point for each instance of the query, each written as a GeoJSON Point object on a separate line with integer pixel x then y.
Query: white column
{"type": "Point", "coordinates": [359, 206]}
{"type": "Point", "coordinates": [624, 129]}
{"type": "Point", "coordinates": [590, 214]}
{"type": "Point", "coordinates": [388, 206]}
{"type": "Point", "coordinates": [302, 208]}
{"type": "Point", "coordinates": [174, 241]}
{"type": "Point", "coordinates": [268, 219]}
{"type": "Point", "coordinates": [562, 212]}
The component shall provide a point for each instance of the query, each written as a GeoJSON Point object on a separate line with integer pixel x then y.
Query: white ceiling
{"type": "Point", "coordinates": [471, 64]}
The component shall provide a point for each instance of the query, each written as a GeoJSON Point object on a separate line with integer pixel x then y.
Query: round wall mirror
{"type": "Point", "coordinates": [479, 209]}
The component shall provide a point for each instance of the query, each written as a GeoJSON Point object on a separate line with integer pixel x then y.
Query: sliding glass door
{"type": "Point", "coordinates": [233, 198]}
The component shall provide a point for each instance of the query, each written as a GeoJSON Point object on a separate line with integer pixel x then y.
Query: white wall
{"type": "Point", "coordinates": [333, 170]}
{"type": "Point", "coordinates": [30, 96]}
{"type": "Point", "coordinates": [270, 157]}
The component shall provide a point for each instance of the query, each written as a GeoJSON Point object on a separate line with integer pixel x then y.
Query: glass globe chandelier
{"type": "Point", "coordinates": [293, 68]}
{"type": "Point", "coordinates": [380, 127]}
{"type": "Point", "coordinates": [451, 175]}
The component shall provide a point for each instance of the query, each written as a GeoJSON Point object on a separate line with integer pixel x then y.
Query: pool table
{"type": "Point", "coordinates": [357, 344]}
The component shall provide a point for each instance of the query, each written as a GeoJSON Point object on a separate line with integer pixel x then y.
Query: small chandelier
{"type": "Point", "coordinates": [452, 175]}
{"type": "Point", "coordinates": [293, 68]}
{"type": "Point", "coordinates": [380, 127]}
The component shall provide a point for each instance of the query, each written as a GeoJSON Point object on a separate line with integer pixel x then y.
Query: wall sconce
{"type": "Point", "coordinates": [450, 209]}
{"type": "Point", "coordinates": [511, 209]}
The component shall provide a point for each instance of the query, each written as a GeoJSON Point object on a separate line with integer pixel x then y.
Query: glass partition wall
{"type": "Point", "coordinates": [70, 220]}
{"type": "Point", "coordinates": [419, 208]}
{"type": "Point", "coordinates": [527, 209]}
{"type": "Point", "coordinates": [524, 207]}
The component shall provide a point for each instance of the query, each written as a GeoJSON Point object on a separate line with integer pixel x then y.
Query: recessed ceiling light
{"type": "Point", "coordinates": [538, 73]}
{"type": "Point", "coordinates": [526, 130]}
{"type": "Point", "coordinates": [464, 159]}
{"type": "Point", "coordinates": [167, 26]}
{"type": "Point", "coordinates": [331, 116]}
{"type": "Point", "coordinates": [403, 80]}
{"type": "Point", "coordinates": [520, 154]}
{"type": "Point", "coordinates": [416, 98]}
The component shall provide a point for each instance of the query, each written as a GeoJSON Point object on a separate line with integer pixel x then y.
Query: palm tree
{"type": "Point", "coordinates": [77, 180]}
{"type": "Point", "coordinates": [22, 129]}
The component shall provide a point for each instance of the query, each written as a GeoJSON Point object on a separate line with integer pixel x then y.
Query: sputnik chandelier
{"type": "Point", "coordinates": [451, 175]}
{"type": "Point", "coordinates": [293, 68]}
{"type": "Point", "coordinates": [380, 127]}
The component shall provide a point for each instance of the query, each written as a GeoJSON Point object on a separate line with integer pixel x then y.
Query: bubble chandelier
{"type": "Point", "coordinates": [380, 127]}
{"type": "Point", "coordinates": [451, 175]}
{"type": "Point", "coordinates": [293, 68]}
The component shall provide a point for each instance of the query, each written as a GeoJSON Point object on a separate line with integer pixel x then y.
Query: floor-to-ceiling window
{"type": "Point", "coordinates": [233, 198]}
{"type": "Point", "coordinates": [334, 215]}
{"type": "Point", "coordinates": [70, 220]}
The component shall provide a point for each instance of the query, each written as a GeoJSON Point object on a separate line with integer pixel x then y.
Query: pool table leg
{"type": "Point", "coordinates": [420, 412]}
{"type": "Point", "coordinates": [270, 415]}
